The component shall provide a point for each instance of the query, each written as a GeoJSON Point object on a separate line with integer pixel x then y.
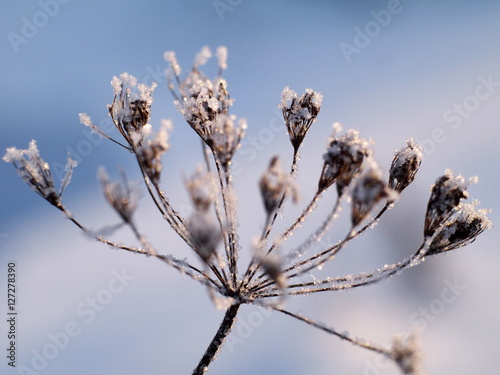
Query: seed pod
{"type": "Point", "coordinates": [461, 229]}
{"type": "Point", "coordinates": [274, 185]}
{"type": "Point", "coordinates": [446, 194]}
{"type": "Point", "coordinates": [299, 113]}
{"type": "Point", "coordinates": [405, 165]}
{"type": "Point", "coordinates": [368, 191]}
{"type": "Point", "coordinates": [343, 160]}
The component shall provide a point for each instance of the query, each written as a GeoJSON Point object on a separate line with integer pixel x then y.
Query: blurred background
{"type": "Point", "coordinates": [391, 69]}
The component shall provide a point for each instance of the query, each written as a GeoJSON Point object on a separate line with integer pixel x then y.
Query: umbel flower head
{"type": "Point", "coordinates": [299, 113]}
{"type": "Point", "coordinates": [211, 230]}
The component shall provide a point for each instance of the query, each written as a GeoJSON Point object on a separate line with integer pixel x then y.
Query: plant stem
{"type": "Point", "coordinates": [217, 341]}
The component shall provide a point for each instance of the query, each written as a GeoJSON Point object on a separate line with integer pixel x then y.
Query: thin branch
{"type": "Point", "coordinates": [344, 336]}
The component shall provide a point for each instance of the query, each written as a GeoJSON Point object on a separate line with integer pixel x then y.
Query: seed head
{"type": "Point", "coordinates": [150, 148]}
{"type": "Point", "coordinates": [226, 137]}
{"type": "Point", "coordinates": [368, 190]}
{"type": "Point", "coordinates": [460, 229]}
{"type": "Point", "coordinates": [131, 105]}
{"type": "Point", "coordinates": [119, 196]}
{"type": "Point", "coordinates": [299, 113]}
{"type": "Point", "coordinates": [405, 165]}
{"type": "Point", "coordinates": [343, 160]}
{"type": "Point", "coordinates": [446, 194]}
{"type": "Point", "coordinates": [407, 354]}
{"type": "Point", "coordinates": [205, 234]}
{"type": "Point", "coordinates": [201, 188]}
{"type": "Point", "coordinates": [275, 184]}
{"type": "Point", "coordinates": [36, 172]}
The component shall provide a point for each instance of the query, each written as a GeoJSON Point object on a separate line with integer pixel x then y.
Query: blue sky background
{"type": "Point", "coordinates": [405, 81]}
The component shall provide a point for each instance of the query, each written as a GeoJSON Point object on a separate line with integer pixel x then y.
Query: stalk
{"type": "Point", "coordinates": [217, 341]}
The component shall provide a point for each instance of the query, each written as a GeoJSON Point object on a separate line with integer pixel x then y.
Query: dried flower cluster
{"type": "Point", "coordinates": [211, 230]}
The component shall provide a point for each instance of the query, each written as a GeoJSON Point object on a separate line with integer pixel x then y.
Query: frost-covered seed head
{"type": "Point", "coordinates": [460, 229]}
{"type": "Point", "coordinates": [131, 105]}
{"type": "Point", "coordinates": [407, 354]}
{"type": "Point", "coordinates": [205, 234]}
{"type": "Point", "coordinates": [299, 113]}
{"type": "Point", "coordinates": [446, 194]}
{"type": "Point", "coordinates": [405, 165]}
{"type": "Point", "coordinates": [275, 184]}
{"type": "Point", "coordinates": [226, 137]}
{"type": "Point", "coordinates": [368, 190]}
{"type": "Point", "coordinates": [201, 188]}
{"type": "Point", "coordinates": [36, 172]}
{"type": "Point", "coordinates": [150, 148]}
{"type": "Point", "coordinates": [119, 196]}
{"type": "Point", "coordinates": [272, 266]}
{"type": "Point", "coordinates": [343, 160]}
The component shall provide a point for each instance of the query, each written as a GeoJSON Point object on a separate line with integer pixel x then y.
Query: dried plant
{"type": "Point", "coordinates": [212, 229]}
